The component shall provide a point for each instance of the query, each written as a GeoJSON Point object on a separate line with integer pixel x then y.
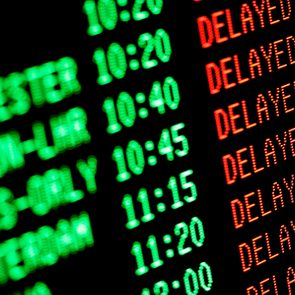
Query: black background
{"type": "Point", "coordinates": [34, 32]}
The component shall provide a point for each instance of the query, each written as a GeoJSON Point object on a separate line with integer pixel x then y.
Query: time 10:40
{"type": "Point", "coordinates": [123, 112]}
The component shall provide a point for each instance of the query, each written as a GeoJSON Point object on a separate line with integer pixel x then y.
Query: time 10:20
{"type": "Point", "coordinates": [112, 63]}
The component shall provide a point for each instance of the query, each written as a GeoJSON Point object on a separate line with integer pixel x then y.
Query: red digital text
{"type": "Point", "coordinates": [223, 25]}
{"type": "Point", "coordinates": [276, 284]}
{"type": "Point", "coordinates": [246, 114]}
{"type": "Point", "coordinates": [230, 72]}
{"type": "Point", "coordinates": [252, 207]}
{"type": "Point", "coordinates": [266, 247]}
{"type": "Point", "coordinates": [252, 159]}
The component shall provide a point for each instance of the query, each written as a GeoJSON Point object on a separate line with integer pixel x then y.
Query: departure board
{"type": "Point", "coordinates": [147, 147]}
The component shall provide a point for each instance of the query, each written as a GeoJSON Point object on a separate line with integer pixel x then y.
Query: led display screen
{"type": "Point", "coordinates": [147, 147]}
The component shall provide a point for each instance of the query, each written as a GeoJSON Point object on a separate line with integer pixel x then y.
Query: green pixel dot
{"type": "Point", "coordinates": [140, 97]}
{"type": "Point", "coordinates": [143, 113]}
{"type": "Point", "coordinates": [125, 16]}
{"type": "Point", "coordinates": [158, 192]}
{"type": "Point", "coordinates": [149, 146]}
{"type": "Point", "coordinates": [134, 65]}
{"type": "Point", "coordinates": [167, 239]}
{"type": "Point", "coordinates": [170, 253]}
{"type": "Point", "coordinates": [175, 285]}
{"type": "Point", "coordinates": [122, 2]}
{"type": "Point", "coordinates": [152, 160]}
{"type": "Point", "coordinates": [161, 207]}
{"type": "Point", "coordinates": [131, 49]}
